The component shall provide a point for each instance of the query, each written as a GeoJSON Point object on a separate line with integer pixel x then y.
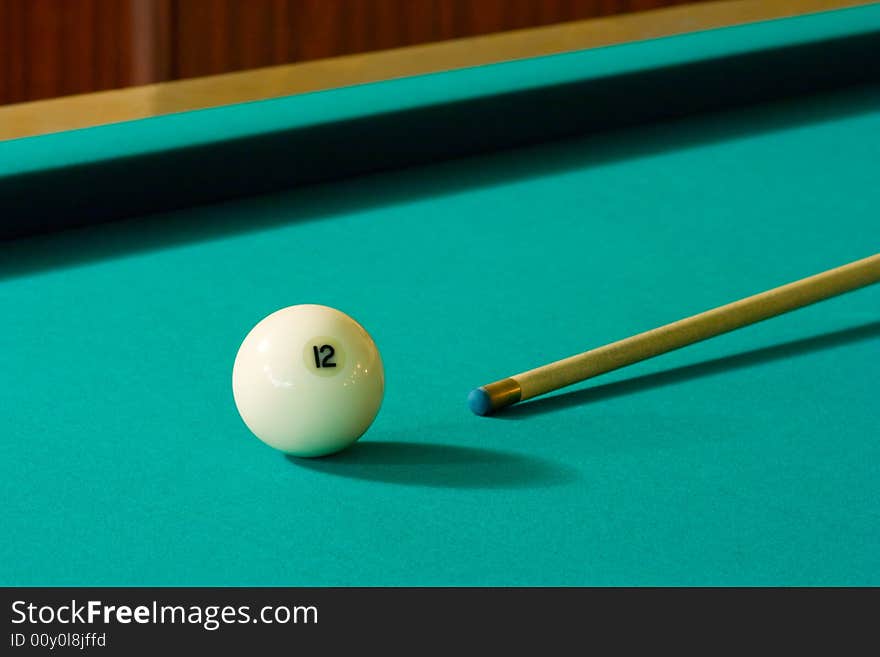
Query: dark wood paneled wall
{"type": "Point", "coordinates": [214, 36]}
{"type": "Point", "coordinates": [53, 48]}
{"type": "Point", "coordinates": [58, 47]}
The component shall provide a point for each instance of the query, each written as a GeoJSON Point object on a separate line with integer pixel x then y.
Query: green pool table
{"type": "Point", "coordinates": [478, 222]}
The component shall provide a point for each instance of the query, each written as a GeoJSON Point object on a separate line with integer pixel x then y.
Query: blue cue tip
{"type": "Point", "coordinates": [479, 401]}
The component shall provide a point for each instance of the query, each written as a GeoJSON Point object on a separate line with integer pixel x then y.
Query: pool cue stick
{"type": "Point", "coordinates": [494, 396]}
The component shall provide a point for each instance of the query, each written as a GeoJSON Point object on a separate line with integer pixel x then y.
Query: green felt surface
{"type": "Point", "coordinates": [749, 459]}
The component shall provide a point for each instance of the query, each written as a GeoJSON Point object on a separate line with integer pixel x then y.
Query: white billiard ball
{"type": "Point", "coordinates": [308, 380]}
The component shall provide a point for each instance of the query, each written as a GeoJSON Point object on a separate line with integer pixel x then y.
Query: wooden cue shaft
{"type": "Point", "coordinates": [679, 334]}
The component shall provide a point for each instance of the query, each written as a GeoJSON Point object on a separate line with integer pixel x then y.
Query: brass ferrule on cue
{"type": "Point", "coordinates": [502, 393]}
